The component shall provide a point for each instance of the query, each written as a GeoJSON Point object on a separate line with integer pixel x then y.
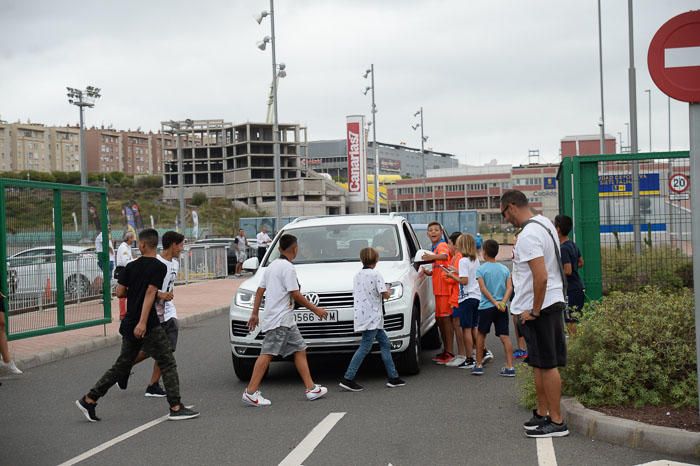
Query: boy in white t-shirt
{"type": "Point", "coordinates": [368, 290]}
{"type": "Point", "coordinates": [280, 287]}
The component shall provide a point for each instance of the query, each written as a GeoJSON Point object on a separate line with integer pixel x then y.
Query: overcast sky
{"type": "Point", "coordinates": [495, 77]}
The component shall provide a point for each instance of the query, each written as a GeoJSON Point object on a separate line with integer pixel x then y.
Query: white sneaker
{"type": "Point", "coordinates": [256, 399]}
{"type": "Point", "coordinates": [456, 361]}
{"type": "Point", "coordinates": [315, 393]}
{"type": "Point", "coordinates": [9, 367]}
{"type": "Point", "coordinates": [488, 355]}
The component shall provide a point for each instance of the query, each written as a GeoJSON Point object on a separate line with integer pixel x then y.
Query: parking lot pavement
{"type": "Point", "coordinates": [193, 301]}
{"type": "Point", "coordinates": [443, 416]}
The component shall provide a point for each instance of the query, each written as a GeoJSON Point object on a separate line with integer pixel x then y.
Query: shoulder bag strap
{"type": "Point", "coordinates": [556, 251]}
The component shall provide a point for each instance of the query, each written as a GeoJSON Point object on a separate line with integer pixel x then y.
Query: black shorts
{"type": "Point", "coordinates": [546, 343]}
{"type": "Point", "coordinates": [493, 316]}
{"type": "Point", "coordinates": [576, 299]}
{"type": "Point", "coordinates": [467, 312]}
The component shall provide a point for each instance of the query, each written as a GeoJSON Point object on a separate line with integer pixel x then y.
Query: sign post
{"type": "Point", "coordinates": [674, 65]}
{"type": "Point", "coordinates": [357, 164]}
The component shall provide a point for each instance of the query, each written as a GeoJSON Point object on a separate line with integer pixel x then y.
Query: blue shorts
{"type": "Point", "coordinates": [468, 314]}
{"type": "Point", "coordinates": [493, 316]}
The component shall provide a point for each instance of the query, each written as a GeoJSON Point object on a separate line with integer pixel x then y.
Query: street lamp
{"type": "Point", "coordinates": [627, 125]}
{"type": "Point", "coordinates": [370, 71]}
{"type": "Point", "coordinates": [602, 106]}
{"type": "Point", "coordinates": [423, 139]}
{"type": "Point", "coordinates": [648, 91]}
{"type": "Point", "coordinates": [275, 122]}
{"type": "Point", "coordinates": [176, 128]}
{"type": "Point", "coordinates": [81, 99]}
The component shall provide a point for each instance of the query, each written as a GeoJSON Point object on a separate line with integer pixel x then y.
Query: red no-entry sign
{"type": "Point", "coordinates": [674, 57]}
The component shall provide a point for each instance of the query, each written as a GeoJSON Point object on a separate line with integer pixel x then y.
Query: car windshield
{"type": "Point", "coordinates": [342, 243]}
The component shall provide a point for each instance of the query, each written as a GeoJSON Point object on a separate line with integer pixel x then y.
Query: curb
{"type": "Point", "coordinates": [632, 434]}
{"type": "Point", "coordinates": [97, 343]}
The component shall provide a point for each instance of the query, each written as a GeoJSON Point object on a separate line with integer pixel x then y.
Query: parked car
{"type": "Point", "coordinates": [328, 259]}
{"type": "Point", "coordinates": [34, 270]}
{"type": "Point", "coordinates": [421, 230]}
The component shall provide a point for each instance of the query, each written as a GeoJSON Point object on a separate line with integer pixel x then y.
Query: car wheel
{"type": "Point", "coordinates": [243, 367]}
{"type": "Point", "coordinates": [431, 340]}
{"type": "Point", "coordinates": [408, 361]}
{"type": "Point", "coordinates": [77, 286]}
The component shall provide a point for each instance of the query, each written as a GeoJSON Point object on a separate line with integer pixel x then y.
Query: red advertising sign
{"type": "Point", "coordinates": [354, 161]}
{"type": "Point", "coordinates": [674, 57]}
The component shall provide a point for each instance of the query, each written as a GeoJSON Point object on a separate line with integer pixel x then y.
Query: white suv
{"type": "Point", "coordinates": [329, 257]}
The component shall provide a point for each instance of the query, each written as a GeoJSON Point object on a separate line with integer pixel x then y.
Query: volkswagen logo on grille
{"type": "Point", "coordinates": [313, 298]}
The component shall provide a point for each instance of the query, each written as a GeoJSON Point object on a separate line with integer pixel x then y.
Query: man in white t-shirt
{"type": "Point", "coordinates": [264, 241]}
{"type": "Point", "coordinates": [280, 287]}
{"type": "Point", "coordinates": [539, 302]}
{"type": "Point", "coordinates": [124, 256]}
{"type": "Point", "coordinates": [241, 243]}
{"type": "Point", "coordinates": [98, 249]}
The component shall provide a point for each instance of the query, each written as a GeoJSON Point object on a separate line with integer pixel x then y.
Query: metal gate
{"type": "Point", "coordinates": [630, 234]}
{"type": "Point", "coordinates": [50, 273]}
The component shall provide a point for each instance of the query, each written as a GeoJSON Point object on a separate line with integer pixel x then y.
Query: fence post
{"type": "Point", "coordinates": [58, 251]}
{"type": "Point", "coordinates": [106, 244]}
{"type": "Point", "coordinates": [587, 210]}
{"type": "Point", "coordinates": [3, 260]}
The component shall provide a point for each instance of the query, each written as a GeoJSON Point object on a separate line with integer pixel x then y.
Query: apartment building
{"type": "Point", "coordinates": [136, 157]}
{"type": "Point", "coordinates": [30, 147]}
{"type": "Point", "coordinates": [65, 148]}
{"type": "Point", "coordinates": [104, 150]}
{"type": "Point", "coordinates": [5, 151]}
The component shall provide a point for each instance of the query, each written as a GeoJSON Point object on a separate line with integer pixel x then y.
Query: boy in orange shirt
{"type": "Point", "coordinates": [441, 289]}
{"type": "Point", "coordinates": [452, 278]}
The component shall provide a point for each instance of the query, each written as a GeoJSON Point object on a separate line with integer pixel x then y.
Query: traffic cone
{"type": "Point", "coordinates": [47, 290]}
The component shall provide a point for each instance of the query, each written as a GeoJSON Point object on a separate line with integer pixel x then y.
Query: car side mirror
{"type": "Point", "coordinates": [251, 265]}
{"type": "Point", "coordinates": [418, 258]}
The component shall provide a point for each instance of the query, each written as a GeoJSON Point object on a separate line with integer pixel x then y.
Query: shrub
{"type": "Point", "coordinates": [154, 181]}
{"type": "Point", "coordinates": [661, 266]}
{"type": "Point", "coordinates": [199, 198]}
{"type": "Point", "coordinates": [632, 349]}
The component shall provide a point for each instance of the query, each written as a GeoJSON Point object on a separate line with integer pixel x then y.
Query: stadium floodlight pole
{"type": "Point", "coordinates": [377, 208]}
{"type": "Point", "coordinates": [602, 106]}
{"type": "Point", "coordinates": [81, 99]}
{"type": "Point", "coordinates": [275, 121]}
{"type": "Point", "coordinates": [634, 148]}
{"type": "Point", "coordinates": [423, 138]}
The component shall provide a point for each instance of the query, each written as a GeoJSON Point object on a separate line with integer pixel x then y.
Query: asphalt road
{"type": "Point", "coordinates": [443, 416]}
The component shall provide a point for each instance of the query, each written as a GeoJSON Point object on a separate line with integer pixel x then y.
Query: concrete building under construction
{"type": "Point", "coordinates": [236, 162]}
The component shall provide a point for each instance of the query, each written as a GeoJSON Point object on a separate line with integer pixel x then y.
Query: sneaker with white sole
{"type": "Point", "coordinates": [507, 372]}
{"type": "Point", "coordinates": [9, 368]}
{"type": "Point", "coordinates": [88, 409]}
{"type": "Point", "coordinates": [468, 363]}
{"type": "Point", "coordinates": [488, 355]}
{"type": "Point", "coordinates": [550, 429]}
{"type": "Point", "coordinates": [456, 361]}
{"type": "Point", "coordinates": [316, 392]}
{"type": "Point", "coordinates": [350, 385]}
{"type": "Point", "coordinates": [395, 382]}
{"type": "Point", "coordinates": [536, 421]}
{"type": "Point", "coordinates": [183, 413]}
{"type": "Point", "coordinates": [155, 391]}
{"type": "Point", "coordinates": [256, 399]}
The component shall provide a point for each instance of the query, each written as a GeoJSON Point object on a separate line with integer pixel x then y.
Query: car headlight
{"type": "Point", "coordinates": [245, 298]}
{"type": "Point", "coordinates": [396, 291]}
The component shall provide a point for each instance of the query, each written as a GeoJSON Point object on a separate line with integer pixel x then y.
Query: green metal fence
{"type": "Point", "coordinates": [51, 275]}
{"type": "Point", "coordinates": [597, 192]}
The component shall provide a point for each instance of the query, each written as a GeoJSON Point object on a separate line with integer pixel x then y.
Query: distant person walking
{"type": "Point", "coordinates": [140, 328]}
{"type": "Point", "coordinates": [571, 260]}
{"type": "Point", "coordinates": [7, 365]}
{"type": "Point", "coordinates": [539, 301]}
{"type": "Point", "coordinates": [98, 250]}
{"type": "Point", "coordinates": [124, 256]}
{"type": "Point", "coordinates": [264, 241]}
{"type": "Point", "coordinates": [241, 243]}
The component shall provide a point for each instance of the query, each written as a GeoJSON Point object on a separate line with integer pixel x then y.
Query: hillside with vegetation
{"type": "Point", "coordinates": [31, 210]}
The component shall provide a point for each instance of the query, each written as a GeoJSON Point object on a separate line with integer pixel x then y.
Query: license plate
{"type": "Point", "coordinates": [305, 317]}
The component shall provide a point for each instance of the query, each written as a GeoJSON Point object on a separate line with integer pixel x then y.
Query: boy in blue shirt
{"type": "Point", "coordinates": [496, 287]}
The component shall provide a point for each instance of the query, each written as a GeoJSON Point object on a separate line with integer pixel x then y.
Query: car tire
{"type": "Point", "coordinates": [243, 367]}
{"type": "Point", "coordinates": [408, 361]}
{"type": "Point", "coordinates": [431, 340]}
{"type": "Point", "coordinates": [77, 286]}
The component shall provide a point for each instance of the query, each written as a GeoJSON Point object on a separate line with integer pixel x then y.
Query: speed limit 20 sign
{"type": "Point", "coordinates": [679, 183]}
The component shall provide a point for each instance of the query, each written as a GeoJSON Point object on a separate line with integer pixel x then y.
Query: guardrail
{"type": "Point", "coordinates": [203, 262]}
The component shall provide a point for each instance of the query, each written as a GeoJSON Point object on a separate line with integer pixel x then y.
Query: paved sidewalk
{"type": "Point", "coordinates": [194, 302]}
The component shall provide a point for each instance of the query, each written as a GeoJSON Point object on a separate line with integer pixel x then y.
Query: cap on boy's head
{"type": "Point", "coordinates": [491, 248]}
{"type": "Point", "coordinates": [454, 236]}
{"type": "Point", "coordinates": [564, 224]}
{"type": "Point", "coordinates": [149, 236]}
{"type": "Point", "coordinates": [434, 224]}
{"type": "Point", "coordinates": [369, 256]}
{"type": "Point", "coordinates": [172, 237]}
{"type": "Point", "coordinates": [287, 241]}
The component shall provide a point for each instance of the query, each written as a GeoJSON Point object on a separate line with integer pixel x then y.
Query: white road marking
{"type": "Point", "coordinates": [113, 442]}
{"type": "Point", "coordinates": [682, 56]}
{"type": "Point", "coordinates": [297, 456]}
{"type": "Point", "coordinates": [545, 452]}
